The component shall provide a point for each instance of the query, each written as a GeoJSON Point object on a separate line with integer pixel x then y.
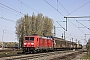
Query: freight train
{"type": "Point", "coordinates": [37, 44]}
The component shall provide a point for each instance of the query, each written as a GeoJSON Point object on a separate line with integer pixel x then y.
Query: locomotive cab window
{"type": "Point", "coordinates": [29, 38]}
{"type": "Point", "coordinates": [26, 38]}
{"type": "Point", "coordinates": [32, 38]}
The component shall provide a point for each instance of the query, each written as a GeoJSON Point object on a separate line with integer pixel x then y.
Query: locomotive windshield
{"type": "Point", "coordinates": [29, 38]}
{"type": "Point", "coordinates": [26, 38]}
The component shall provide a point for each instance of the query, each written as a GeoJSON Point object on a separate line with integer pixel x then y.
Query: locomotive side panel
{"type": "Point", "coordinates": [45, 43]}
{"type": "Point", "coordinates": [41, 42]}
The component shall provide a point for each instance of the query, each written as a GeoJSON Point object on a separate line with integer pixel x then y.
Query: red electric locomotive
{"type": "Point", "coordinates": [37, 43]}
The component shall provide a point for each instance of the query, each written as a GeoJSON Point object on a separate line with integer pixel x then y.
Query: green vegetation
{"type": "Point", "coordinates": [29, 25]}
{"type": "Point", "coordinates": [87, 57]}
{"type": "Point", "coordinates": [88, 48]}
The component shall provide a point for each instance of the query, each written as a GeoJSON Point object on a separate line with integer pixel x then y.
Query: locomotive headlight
{"type": "Point", "coordinates": [25, 43]}
{"type": "Point", "coordinates": [32, 43]}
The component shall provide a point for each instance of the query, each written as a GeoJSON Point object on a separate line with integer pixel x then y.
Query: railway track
{"type": "Point", "coordinates": [9, 52]}
{"type": "Point", "coordinates": [40, 56]}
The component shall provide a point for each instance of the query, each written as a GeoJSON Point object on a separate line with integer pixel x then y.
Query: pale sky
{"type": "Point", "coordinates": [10, 9]}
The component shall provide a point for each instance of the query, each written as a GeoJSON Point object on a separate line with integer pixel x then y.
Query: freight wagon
{"type": "Point", "coordinates": [61, 44]}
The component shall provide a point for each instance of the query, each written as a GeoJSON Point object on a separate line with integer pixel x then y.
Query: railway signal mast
{"type": "Point", "coordinates": [78, 22]}
{"type": "Point", "coordinates": [2, 40]}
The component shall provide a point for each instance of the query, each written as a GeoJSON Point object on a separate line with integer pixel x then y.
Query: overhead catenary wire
{"type": "Point", "coordinates": [76, 26]}
{"type": "Point", "coordinates": [8, 11]}
{"type": "Point", "coordinates": [11, 9]}
{"type": "Point", "coordinates": [60, 25]}
{"type": "Point", "coordinates": [63, 7]}
{"type": "Point", "coordinates": [79, 7]}
{"type": "Point", "coordinates": [7, 19]}
{"type": "Point", "coordinates": [83, 25]}
{"type": "Point", "coordinates": [54, 8]}
{"type": "Point", "coordinates": [28, 6]}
